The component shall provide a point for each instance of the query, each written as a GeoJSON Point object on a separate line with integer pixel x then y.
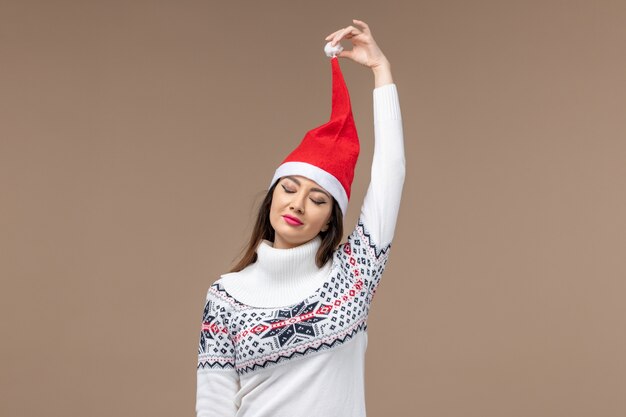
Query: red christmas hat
{"type": "Point", "coordinates": [328, 153]}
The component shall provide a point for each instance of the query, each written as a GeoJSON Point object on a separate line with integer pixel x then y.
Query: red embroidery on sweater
{"type": "Point", "coordinates": [322, 310]}
{"type": "Point", "coordinates": [314, 343]}
{"type": "Point", "coordinates": [213, 328]}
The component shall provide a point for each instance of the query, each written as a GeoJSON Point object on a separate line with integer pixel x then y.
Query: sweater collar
{"type": "Point", "coordinates": [283, 266]}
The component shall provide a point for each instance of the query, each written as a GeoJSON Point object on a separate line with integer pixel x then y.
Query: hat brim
{"type": "Point", "coordinates": [326, 180]}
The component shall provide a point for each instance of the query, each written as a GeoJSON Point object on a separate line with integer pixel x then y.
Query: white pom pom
{"type": "Point", "coordinates": [331, 51]}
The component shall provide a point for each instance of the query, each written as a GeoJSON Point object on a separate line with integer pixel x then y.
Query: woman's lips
{"type": "Point", "coordinates": [292, 221]}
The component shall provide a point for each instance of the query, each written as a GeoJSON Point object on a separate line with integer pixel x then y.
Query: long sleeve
{"type": "Point", "coordinates": [366, 251]}
{"type": "Point", "coordinates": [217, 379]}
{"type": "Point", "coordinates": [382, 201]}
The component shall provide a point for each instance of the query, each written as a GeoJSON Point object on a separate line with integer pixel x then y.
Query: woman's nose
{"type": "Point", "coordinates": [297, 203]}
{"type": "Point", "coordinates": [297, 207]}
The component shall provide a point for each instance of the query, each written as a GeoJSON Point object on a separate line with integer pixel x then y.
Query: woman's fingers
{"type": "Point", "coordinates": [365, 50]}
{"type": "Point", "coordinates": [332, 34]}
{"type": "Point", "coordinates": [346, 54]}
{"type": "Point", "coordinates": [364, 27]}
{"type": "Point", "coordinates": [347, 33]}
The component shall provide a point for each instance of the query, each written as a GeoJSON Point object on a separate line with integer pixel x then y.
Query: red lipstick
{"type": "Point", "coordinates": [292, 220]}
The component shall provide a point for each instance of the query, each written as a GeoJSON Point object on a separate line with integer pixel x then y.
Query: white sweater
{"type": "Point", "coordinates": [284, 338]}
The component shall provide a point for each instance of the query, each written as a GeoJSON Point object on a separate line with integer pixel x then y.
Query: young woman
{"type": "Point", "coordinates": [285, 332]}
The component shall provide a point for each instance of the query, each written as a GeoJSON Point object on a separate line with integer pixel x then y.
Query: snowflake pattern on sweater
{"type": "Point", "coordinates": [246, 338]}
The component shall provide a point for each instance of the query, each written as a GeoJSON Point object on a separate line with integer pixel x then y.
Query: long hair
{"type": "Point", "coordinates": [263, 230]}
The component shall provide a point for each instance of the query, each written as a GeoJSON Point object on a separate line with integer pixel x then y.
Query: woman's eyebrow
{"type": "Point", "coordinates": [312, 189]}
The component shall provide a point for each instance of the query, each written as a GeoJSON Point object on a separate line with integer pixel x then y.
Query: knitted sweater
{"type": "Point", "coordinates": [283, 337]}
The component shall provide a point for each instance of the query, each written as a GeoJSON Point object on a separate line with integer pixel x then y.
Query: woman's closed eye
{"type": "Point", "coordinates": [318, 202]}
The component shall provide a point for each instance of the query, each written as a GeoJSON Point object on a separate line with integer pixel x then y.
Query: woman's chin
{"type": "Point", "coordinates": [291, 237]}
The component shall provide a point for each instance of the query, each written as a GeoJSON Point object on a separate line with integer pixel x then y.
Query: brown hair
{"type": "Point", "coordinates": [263, 230]}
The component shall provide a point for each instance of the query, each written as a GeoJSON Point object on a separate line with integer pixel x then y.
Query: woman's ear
{"type": "Point", "coordinates": [326, 226]}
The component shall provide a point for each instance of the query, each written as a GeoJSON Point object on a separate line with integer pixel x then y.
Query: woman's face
{"type": "Point", "coordinates": [300, 210]}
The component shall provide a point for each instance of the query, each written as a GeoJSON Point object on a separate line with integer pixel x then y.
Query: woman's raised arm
{"type": "Point", "coordinates": [382, 200]}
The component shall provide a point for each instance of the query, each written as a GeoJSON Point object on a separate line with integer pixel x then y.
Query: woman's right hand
{"type": "Point", "coordinates": [365, 51]}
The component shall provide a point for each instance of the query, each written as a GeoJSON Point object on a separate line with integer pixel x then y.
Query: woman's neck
{"type": "Point", "coordinates": [279, 277]}
{"type": "Point", "coordinates": [282, 266]}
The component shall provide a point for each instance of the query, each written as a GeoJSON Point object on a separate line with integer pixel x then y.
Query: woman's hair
{"type": "Point", "coordinates": [263, 230]}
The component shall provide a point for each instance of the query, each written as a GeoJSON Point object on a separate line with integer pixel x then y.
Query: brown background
{"type": "Point", "coordinates": [137, 136]}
